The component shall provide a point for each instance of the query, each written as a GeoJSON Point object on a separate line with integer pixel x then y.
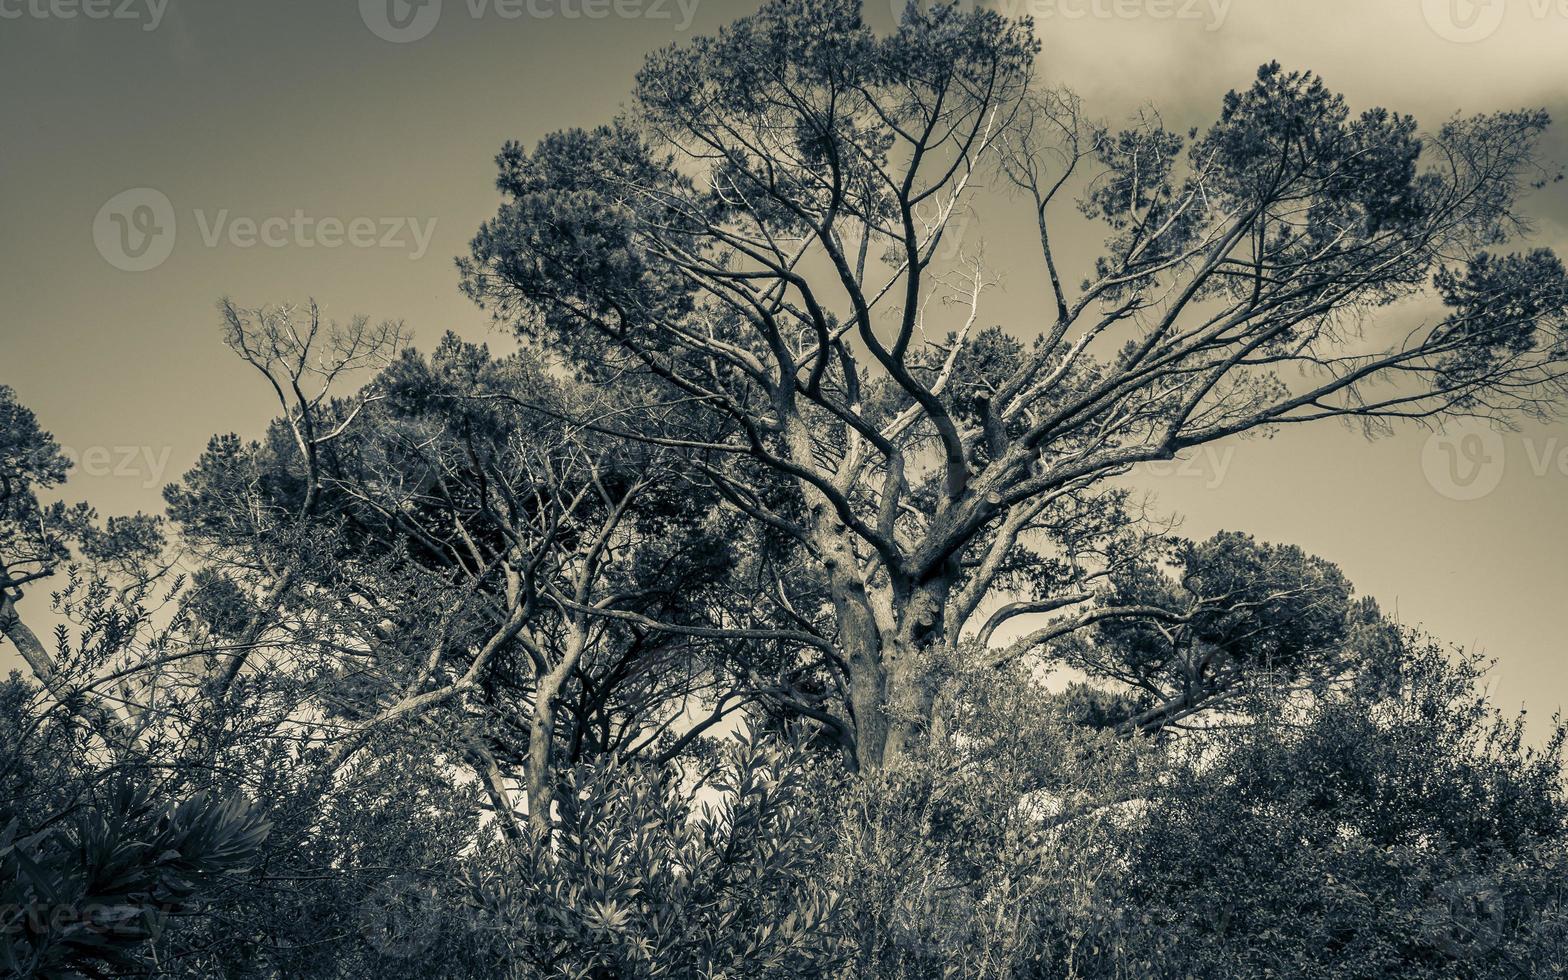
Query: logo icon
{"type": "Point", "coordinates": [1465, 461]}
{"type": "Point", "coordinates": [1464, 21]}
{"type": "Point", "coordinates": [400, 21]}
{"type": "Point", "coordinates": [135, 229]}
{"type": "Point", "coordinates": [400, 917]}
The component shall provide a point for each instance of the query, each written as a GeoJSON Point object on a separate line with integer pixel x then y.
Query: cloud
{"type": "Point", "coordinates": [1394, 52]}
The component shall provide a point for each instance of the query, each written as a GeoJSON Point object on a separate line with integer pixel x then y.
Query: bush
{"type": "Point", "coordinates": [1397, 826]}
{"type": "Point", "coordinates": [1394, 825]}
{"type": "Point", "coordinates": [650, 875]}
{"type": "Point", "coordinates": [84, 895]}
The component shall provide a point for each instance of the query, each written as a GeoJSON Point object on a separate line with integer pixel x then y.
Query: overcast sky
{"type": "Point", "coordinates": [276, 150]}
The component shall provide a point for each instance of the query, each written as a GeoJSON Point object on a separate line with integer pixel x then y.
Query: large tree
{"type": "Point", "coordinates": [756, 243]}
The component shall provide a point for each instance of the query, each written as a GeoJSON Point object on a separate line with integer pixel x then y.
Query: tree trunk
{"type": "Point", "coordinates": [100, 717]}
{"type": "Point", "coordinates": [489, 773]}
{"type": "Point", "coordinates": [911, 687]}
{"type": "Point", "coordinates": [868, 693]}
{"type": "Point", "coordinates": [892, 668]}
{"type": "Point", "coordinates": [541, 757]}
{"type": "Point", "coordinates": [884, 631]}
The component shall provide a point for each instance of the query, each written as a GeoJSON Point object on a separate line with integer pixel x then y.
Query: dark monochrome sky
{"type": "Point", "coordinates": [275, 150]}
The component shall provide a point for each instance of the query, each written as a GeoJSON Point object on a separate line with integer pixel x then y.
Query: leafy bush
{"type": "Point", "coordinates": [1394, 825]}
{"type": "Point", "coordinates": [987, 853]}
{"type": "Point", "coordinates": [86, 894]}
{"type": "Point", "coordinates": [652, 876]}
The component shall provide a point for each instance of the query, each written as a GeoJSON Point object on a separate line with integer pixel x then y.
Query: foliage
{"type": "Point", "coordinates": [651, 878]}
{"type": "Point", "coordinates": [1396, 825]}
{"type": "Point", "coordinates": [652, 871]}
{"type": "Point", "coordinates": [85, 894]}
{"type": "Point", "coordinates": [979, 858]}
{"type": "Point", "coordinates": [760, 238]}
{"type": "Point", "coordinates": [465, 625]}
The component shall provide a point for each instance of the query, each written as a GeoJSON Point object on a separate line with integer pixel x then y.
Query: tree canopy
{"type": "Point", "coordinates": [756, 239]}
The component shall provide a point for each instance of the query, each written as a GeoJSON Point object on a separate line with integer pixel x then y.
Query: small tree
{"type": "Point", "coordinates": [451, 546]}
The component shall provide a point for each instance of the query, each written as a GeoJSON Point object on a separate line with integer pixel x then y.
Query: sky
{"type": "Point", "coordinates": [158, 155]}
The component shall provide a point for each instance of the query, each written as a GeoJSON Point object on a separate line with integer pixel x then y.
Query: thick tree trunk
{"type": "Point", "coordinates": [892, 667]}
{"type": "Point", "coordinates": [868, 694]}
{"type": "Point", "coordinates": [893, 697]}
{"type": "Point", "coordinates": [862, 641]}
{"type": "Point", "coordinates": [910, 687]}
{"type": "Point", "coordinates": [885, 630]}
